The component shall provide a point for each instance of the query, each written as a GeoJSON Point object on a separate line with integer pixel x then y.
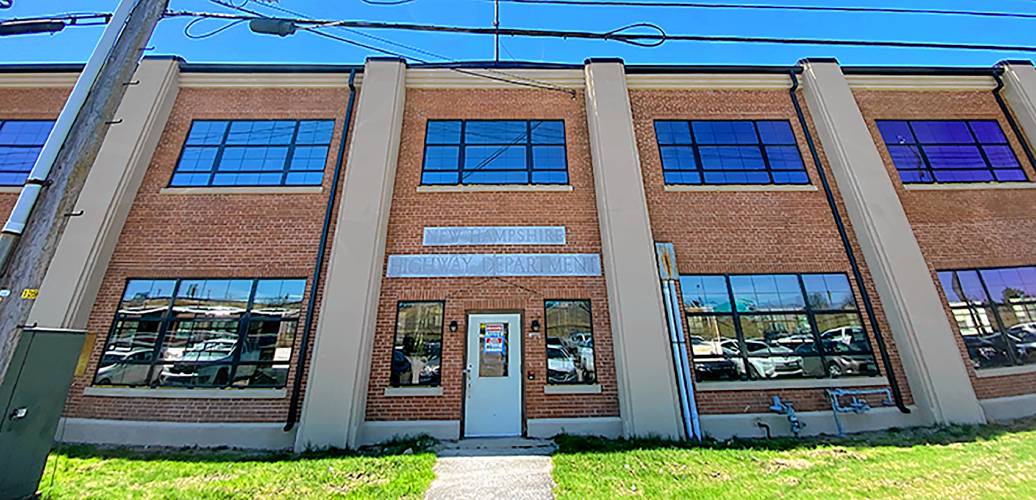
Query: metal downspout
{"type": "Point", "coordinates": [1010, 117]}
{"type": "Point", "coordinates": [311, 303]}
{"type": "Point", "coordinates": [868, 306]}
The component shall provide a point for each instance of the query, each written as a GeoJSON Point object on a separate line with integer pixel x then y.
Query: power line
{"type": "Point", "coordinates": [755, 6]}
{"type": "Point", "coordinates": [622, 34]}
{"type": "Point", "coordinates": [514, 79]}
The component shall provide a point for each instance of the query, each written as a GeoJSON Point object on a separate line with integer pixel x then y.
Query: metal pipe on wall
{"type": "Point", "coordinates": [843, 234]}
{"type": "Point", "coordinates": [311, 304]}
{"type": "Point", "coordinates": [666, 255]}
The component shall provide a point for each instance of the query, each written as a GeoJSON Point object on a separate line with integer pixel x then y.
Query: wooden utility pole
{"type": "Point", "coordinates": [33, 252]}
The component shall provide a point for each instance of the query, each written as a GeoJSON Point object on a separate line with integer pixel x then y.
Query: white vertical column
{"type": "Point", "coordinates": [935, 371]}
{"type": "Point", "coordinates": [71, 284]}
{"type": "Point", "coordinates": [336, 393]}
{"type": "Point", "coordinates": [648, 400]}
{"type": "Point", "coordinates": [1020, 92]}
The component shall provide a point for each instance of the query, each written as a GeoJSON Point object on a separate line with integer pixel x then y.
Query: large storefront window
{"type": "Point", "coordinates": [995, 311]}
{"type": "Point", "coordinates": [775, 326]}
{"type": "Point", "coordinates": [203, 333]}
{"type": "Point", "coordinates": [570, 342]}
{"type": "Point", "coordinates": [417, 351]}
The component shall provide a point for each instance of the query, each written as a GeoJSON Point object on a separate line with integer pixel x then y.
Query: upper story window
{"type": "Point", "coordinates": [203, 333]}
{"type": "Point", "coordinates": [570, 342]}
{"type": "Point", "coordinates": [775, 326]}
{"type": "Point", "coordinates": [20, 144]}
{"type": "Point", "coordinates": [729, 152]}
{"type": "Point", "coordinates": [932, 151]}
{"type": "Point", "coordinates": [995, 311]}
{"type": "Point", "coordinates": [495, 152]}
{"type": "Point", "coordinates": [254, 153]}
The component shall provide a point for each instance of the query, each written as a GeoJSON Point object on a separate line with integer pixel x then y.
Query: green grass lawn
{"type": "Point", "coordinates": [957, 462]}
{"type": "Point", "coordinates": [87, 472]}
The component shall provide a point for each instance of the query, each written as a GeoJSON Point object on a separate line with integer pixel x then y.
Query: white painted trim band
{"type": "Point", "coordinates": [243, 190]}
{"type": "Point", "coordinates": [1009, 408]}
{"type": "Point", "coordinates": [412, 391]}
{"type": "Point", "coordinates": [167, 393]}
{"type": "Point", "coordinates": [266, 80]}
{"type": "Point", "coordinates": [38, 80]}
{"type": "Point", "coordinates": [768, 385]}
{"type": "Point", "coordinates": [494, 188]}
{"type": "Point", "coordinates": [677, 188]}
{"type": "Point", "coordinates": [921, 82]}
{"type": "Point", "coordinates": [969, 186]}
{"type": "Point", "coordinates": [243, 435]}
{"type": "Point", "coordinates": [1005, 371]}
{"type": "Point", "coordinates": [609, 427]}
{"type": "Point", "coordinates": [572, 389]}
{"type": "Point", "coordinates": [439, 78]}
{"type": "Point", "coordinates": [703, 81]}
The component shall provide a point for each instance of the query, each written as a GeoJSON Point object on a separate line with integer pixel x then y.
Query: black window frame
{"type": "Point", "coordinates": [222, 146]}
{"type": "Point", "coordinates": [244, 322]}
{"type": "Point", "coordinates": [461, 145]}
{"type": "Point", "coordinates": [395, 333]}
{"type": "Point", "coordinates": [25, 146]}
{"type": "Point", "coordinates": [546, 329]}
{"type": "Point", "coordinates": [700, 169]}
{"type": "Point", "coordinates": [1013, 354]}
{"type": "Point", "coordinates": [926, 165]}
{"type": "Point", "coordinates": [807, 310]}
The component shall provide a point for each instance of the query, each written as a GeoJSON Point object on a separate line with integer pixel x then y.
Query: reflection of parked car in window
{"type": "Point", "coordinates": [561, 366]}
{"type": "Point", "coordinates": [710, 362]}
{"type": "Point", "coordinates": [985, 352]}
{"type": "Point", "coordinates": [845, 335]}
{"type": "Point", "coordinates": [1024, 337]}
{"type": "Point", "coordinates": [113, 369]}
{"type": "Point", "coordinates": [779, 361]}
{"type": "Point", "coordinates": [207, 363]}
{"type": "Point", "coordinates": [793, 341]}
{"type": "Point", "coordinates": [840, 361]}
{"type": "Point", "coordinates": [430, 373]}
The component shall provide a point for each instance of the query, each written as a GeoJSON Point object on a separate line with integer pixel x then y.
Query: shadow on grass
{"type": "Point", "coordinates": [905, 438]}
{"type": "Point", "coordinates": [403, 446]}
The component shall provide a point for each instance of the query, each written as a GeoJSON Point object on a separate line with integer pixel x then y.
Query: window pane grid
{"type": "Point", "coordinates": [936, 151]}
{"type": "Point", "coordinates": [495, 152]}
{"type": "Point", "coordinates": [254, 153]}
{"type": "Point", "coordinates": [200, 333]}
{"type": "Point", "coordinates": [780, 326]}
{"type": "Point", "coordinates": [729, 152]}
{"type": "Point", "coordinates": [20, 144]}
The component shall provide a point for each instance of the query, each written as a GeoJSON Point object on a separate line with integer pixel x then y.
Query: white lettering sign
{"type": "Point", "coordinates": [505, 264]}
{"type": "Point", "coordinates": [494, 235]}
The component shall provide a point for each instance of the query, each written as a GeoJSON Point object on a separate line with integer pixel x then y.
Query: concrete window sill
{"type": "Point", "coordinates": [10, 189]}
{"type": "Point", "coordinates": [572, 389]}
{"type": "Point", "coordinates": [1005, 371]}
{"type": "Point", "coordinates": [412, 391]}
{"type": "Point", "coordinates": [165, 393]}
{"type": "Point", "coordinates": [243, 190]}
{"type": "Point", "coordinates": [676, 188]}
{"type": "Point", "coordinates": [494, 188]}
{"type": "Point", "coordinates": [969, 186]}
{"type": "Point", "coordinates": [769, 385]}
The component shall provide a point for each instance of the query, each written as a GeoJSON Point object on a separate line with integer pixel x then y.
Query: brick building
{"type": "Point", "coordinates": [310, 256]}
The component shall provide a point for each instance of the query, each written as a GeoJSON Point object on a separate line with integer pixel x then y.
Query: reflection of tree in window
{"type": "Point", "coordinates": [417, 348]}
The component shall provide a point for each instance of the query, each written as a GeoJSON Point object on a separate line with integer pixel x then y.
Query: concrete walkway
{"type": "Point", "coordinates": [493, 468]}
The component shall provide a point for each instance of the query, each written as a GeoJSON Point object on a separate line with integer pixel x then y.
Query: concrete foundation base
{"type": "Point", "coordinates": [245, 435]}
{"type": "Point", "coordinates": [610, 427]}
{"type": "Point", "coordinates": [373, 432]}
{"type": "Point", "coordinates": [816, 423]}
{"type": "Point", "coordinates": [1009, 408]}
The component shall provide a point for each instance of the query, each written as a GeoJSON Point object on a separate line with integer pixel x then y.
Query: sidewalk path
{"type": "Point", "coordinates": [493, 468]}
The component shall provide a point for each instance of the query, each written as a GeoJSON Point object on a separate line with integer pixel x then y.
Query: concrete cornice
{"type": "Point", "coordinates": [37, 80]}
{"type": "Point", "coordinates": [443, 78]}
{"type": "Point", "coordinates": [266, 80]}
{"type": "Point", "coordinates": [708, 81]}
{"type": "Point", "coordinates": [921, 82]}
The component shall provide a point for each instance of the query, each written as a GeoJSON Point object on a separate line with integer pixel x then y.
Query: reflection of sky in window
{"type": "Point", "coordinates": [767, 292]}
{"type": "Point", "coordinates": [705, 293]}
{"type": "Point", "coordinates": [1015, 282]}
{"type": "Point", "coordinates": [279, 291]}
{"type": "Point", "coordinates": [966, 284]}
{"type": "Point", "coordinates": [829, 291]}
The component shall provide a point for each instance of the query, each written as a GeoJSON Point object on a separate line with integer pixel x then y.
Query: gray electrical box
{"type": "Point", "coordinates": [31, 398]}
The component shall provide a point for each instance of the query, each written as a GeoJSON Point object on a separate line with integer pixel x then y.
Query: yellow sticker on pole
{"type": "Point", "coordinates": [30, 293]}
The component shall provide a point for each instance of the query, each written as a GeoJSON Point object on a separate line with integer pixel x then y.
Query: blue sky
{"type": "Point", "coordinates": [239, 45]}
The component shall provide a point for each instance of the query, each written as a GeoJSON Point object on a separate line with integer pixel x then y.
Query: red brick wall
{"type": "Point", "coordinates": [412, 211]}
{"type": "Point", "coordinates": [28, 104]}
{"type": "Point", "coordinates": [216, 235]}
{"type": "Point", "coordinates": [962, 228]}
{"type": "Point", "coordinates": [741, 232]}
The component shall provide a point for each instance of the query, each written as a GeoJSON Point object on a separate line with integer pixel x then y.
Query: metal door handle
{"type": "Point", "coordinates": [467, 381]}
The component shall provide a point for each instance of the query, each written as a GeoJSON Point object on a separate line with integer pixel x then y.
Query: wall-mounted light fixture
{"type": "Point", "coordinates": [535, 325]}
{"type": "Point", "coordinates": [453, 326]}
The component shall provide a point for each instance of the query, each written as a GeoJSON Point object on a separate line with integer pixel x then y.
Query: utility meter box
{"type": "Point", "coordinates": [31, 398]}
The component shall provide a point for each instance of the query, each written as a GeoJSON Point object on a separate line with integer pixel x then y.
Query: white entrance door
{"type": "Point", "coordinates": [494, 390]}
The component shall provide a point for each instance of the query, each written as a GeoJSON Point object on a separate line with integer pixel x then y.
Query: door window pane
{"type": "Point", "coordinates": [417, 350]}
{"type": "Point", "coordinates": [492, 349]}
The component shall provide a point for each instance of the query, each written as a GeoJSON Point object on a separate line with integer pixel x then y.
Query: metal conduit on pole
{"type": "Point", "coordinates": [666, 256]}
{"type": "Point", "coordinates": [843, 234]}
{"type": "Point", "coordinates": [311, 304]}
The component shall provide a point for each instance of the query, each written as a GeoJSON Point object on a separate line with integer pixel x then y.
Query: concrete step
{"type": "Point", "coordinates": [506, 446]}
